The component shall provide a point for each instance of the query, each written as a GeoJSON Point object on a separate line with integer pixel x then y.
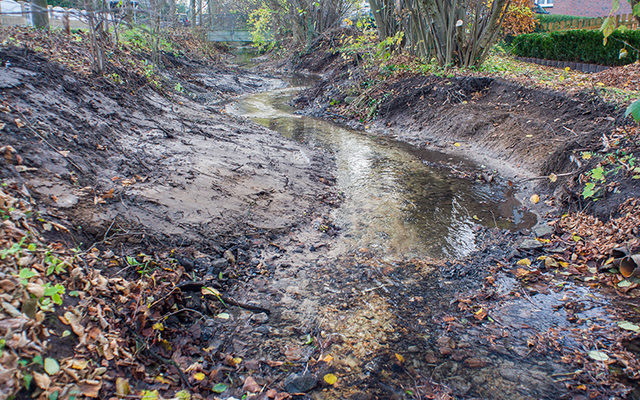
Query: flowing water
{"type": "Point", "coordinates": [397, 199]}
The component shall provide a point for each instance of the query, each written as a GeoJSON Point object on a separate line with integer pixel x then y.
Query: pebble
{"type": "Point", "coordinates": [259, 318]}
{"type": "Point", "coordinates": [543, 230]}
{"type": "Point", "coordinates": [529, 244]}
{"type": "Point", "coordinates": [300, 383]}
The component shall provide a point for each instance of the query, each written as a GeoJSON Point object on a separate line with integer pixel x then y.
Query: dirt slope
{"type": "Point", "coordinates": [131, 163]}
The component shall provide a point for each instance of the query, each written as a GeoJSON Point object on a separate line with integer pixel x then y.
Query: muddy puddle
{"type": "Point", "coordinates": [398, 201]}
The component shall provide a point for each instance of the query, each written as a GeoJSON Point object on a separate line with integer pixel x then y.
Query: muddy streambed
{"type": "Point", "coordinates": [398, 200]}
{"type": "Point", "coordinates": [378, 297]}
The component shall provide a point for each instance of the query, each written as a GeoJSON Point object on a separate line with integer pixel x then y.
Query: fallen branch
{"type": "Point", "coordinates": [194, 286]}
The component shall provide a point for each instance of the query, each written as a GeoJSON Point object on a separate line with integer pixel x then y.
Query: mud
{"type": "Point", "coordinates": [176, 169]}
{"type": "Point", "coordinates": [156, 170]}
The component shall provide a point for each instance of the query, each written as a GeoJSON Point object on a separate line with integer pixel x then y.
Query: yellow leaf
{"type": "Point", "coordinates": [331, 379]}
{"type": "Point", "coordinates": [534, 199]}
{"type": "Point", "coordinates": [79, 364]}
{"type": "Point", "coordinates": [524, 261]}
{"type": "Point", "coordinates": [198, 376]}
{"type": "Point", "coordinates": [162, 379]}
{"type": "Point", "coordinates": [328, 358]}
{"type": "Point", "coordinates": [158, 326]}
{"type": "Point", "coordinates": [553, 178]}
{"type": "Point", "coordinates": [122, 387]}
{"type": "Point", "coordinates": [236, 360]}
{"type": "Point", "coordinates": [457, 144]}
{"type": "Point", "coordinates": [400, 358]}
{"type": "Point", "coordinates": [209, 290]}
{"type": "Point", "coordinates": [586, 155]}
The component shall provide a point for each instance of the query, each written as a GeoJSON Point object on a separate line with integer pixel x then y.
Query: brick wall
{"type": "Point", "coordinates": [587, 8]}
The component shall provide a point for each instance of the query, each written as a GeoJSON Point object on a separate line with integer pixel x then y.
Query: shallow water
{"type": "Point", "coordinates": [398, 200]}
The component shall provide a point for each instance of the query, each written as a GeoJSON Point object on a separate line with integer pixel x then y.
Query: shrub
{"type": "Point", "coordinates": [519, 18]}
{"type": "Point", "coordinates": [578, 46]}
{"type": "Point", "coordinates": [544, 18]}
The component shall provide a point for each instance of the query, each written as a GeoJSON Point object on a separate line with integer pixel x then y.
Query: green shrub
{"type": "Point", "coordinates": [544, 18]}
{"type": "Point", "coordinates": [578, 46]}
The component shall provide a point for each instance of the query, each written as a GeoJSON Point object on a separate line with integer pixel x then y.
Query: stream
{"type": "Point", "coordinates": [403, 203]}
{"type": "Point", "coordinates": [398, 200]}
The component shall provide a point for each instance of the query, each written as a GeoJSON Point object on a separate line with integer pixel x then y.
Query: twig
{"type": "Point", "coordinates": [192, 285]}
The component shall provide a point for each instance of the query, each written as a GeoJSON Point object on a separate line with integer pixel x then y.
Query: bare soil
{"type": "Point", "coordinates": [176, 169]}
{"type": "Point", "coordinates": [238, 208]}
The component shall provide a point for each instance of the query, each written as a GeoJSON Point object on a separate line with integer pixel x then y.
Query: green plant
{"type": "Point", "coordinates": [260, 28]}
{"type": "Point", "coordinates": [578, 45]}
{"type": "Point", "coordinates": [634, 110]}
{"type": "Point", "coordinates": [596, 176]}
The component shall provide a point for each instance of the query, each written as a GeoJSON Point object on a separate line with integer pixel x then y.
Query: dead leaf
{"type": "Point", "coordinates": [534, 199]}
{"type": "Point", "coordinates": [250, 385]}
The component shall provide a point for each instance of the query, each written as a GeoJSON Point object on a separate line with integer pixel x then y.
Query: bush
{"type": "Point", "coordinates": [578, 46]}
{"type": "Point", "coordinates": [519, 18]}
{"type": "Point", "coordinates": [544, 18]}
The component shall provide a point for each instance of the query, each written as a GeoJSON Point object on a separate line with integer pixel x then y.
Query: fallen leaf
{"type": "Point", "coordinates": [553, 178]}
{"type": "Point", "coordinates": [122, 387]}
{"type": "Point", "coordinates": [51, 366]}
{"type": "Point", "coordinates": [525, 262]}
{"type": "Point", "coordinates": [400, 358]}
{"type": "Point", "coordinates": [457, 144]}
{"type": "Point", "coordinates": [534, 199]}
{"type": "Point", "coordinates": [331, 379]}
{"type": "Point", "coordinates": [223, 315]}
{"type": "Point", "coordinates": [199, 376]}
{"type": "Point", "coordinates": [42, 380]}
{"type": "Point", "coordinates": [250, 385]}
{"type": "Point", "coordinates": [219, 388]}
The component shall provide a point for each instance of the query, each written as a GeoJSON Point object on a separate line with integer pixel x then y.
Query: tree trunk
{"type": "Point", "coordinates": [193, 13]}
{"type": "Point", "coordinates": [40, 14]}
{"type": "Point", "coordinates": [200, 13]}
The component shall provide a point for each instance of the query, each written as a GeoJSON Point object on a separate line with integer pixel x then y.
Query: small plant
{"type": "Point", "coordinates": [596, 175]}
{"type": "Point", "coordinates": [178, 88]}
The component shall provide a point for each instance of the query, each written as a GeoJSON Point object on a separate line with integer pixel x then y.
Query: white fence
{"type": "Point", "coordinates": [14, 13]}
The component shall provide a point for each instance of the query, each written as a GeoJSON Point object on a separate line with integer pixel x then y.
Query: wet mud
{"type": "Point", "coordinates": [329, 272]}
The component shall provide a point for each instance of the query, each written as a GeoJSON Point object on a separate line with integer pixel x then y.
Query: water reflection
{"type": "Point", "coordinates": [396, 201]}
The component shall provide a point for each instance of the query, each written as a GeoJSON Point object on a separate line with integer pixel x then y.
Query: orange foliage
{"type": "Point", "coordinates": [520, 18]}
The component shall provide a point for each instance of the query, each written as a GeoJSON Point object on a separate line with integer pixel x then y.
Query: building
{"type": "Point", "coordinates": [583, 8]}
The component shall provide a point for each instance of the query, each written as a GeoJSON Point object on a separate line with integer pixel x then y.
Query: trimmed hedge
{"type": "Point", "coordinates": [578, 46]}
{"type": "Point", "coordinates": [544, 18]}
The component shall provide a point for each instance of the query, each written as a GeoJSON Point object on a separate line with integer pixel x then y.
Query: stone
{"type": "Point", "coordinates": [259, 318]}
{"type": "Point", "coordinates": [475, 362]}
{"type": "Point", "coordinates": [529, 244]}
{"type": "Point", "coordinates": [542, 230]}
{"type": "Point", "coordinates": [300, 383]}
{"type": "Point", "coordinates": [228, 255]}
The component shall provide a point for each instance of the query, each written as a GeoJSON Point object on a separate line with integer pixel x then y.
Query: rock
{"type": "Point", "coordinates": [228, 255]}
{"type": "Point", "coordinates": [529, 244]}
{"type": "Point", "coordinates": [300, 383]}
{"type": "Point", "coordinates": [543, 230]}
{"type": "Point", "coordinates": [259, 318]}
{"type": "Point", "coordinates": [66, 200]}
{"type": "Point", "coordinates": [474, 362]}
